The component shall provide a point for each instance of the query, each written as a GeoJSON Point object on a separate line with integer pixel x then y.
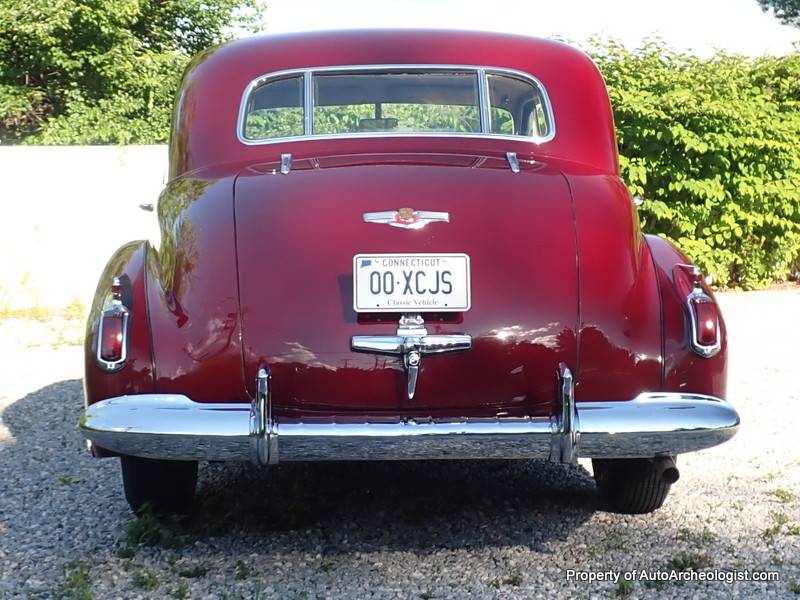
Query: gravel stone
{"type": "Point", "coordinates": [483, 529]}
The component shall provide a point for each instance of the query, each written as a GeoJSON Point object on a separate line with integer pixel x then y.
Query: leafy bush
{"type": "Point", "coordinates": [103, 71]}
{"type": "Point", "coordinates": [713, 146]}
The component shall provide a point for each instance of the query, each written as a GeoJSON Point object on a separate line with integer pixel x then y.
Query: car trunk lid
{"type": "Point", "coordinates": [297, 234]}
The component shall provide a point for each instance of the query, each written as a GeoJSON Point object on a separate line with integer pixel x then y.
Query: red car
{"type": "Point", "coordinates": [390, 245]}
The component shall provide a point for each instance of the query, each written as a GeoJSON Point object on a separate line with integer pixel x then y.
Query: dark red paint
{"type": "Point", "coordinates": [254, 267]}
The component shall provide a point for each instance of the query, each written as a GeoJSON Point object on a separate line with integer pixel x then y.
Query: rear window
{"type": "Point", "coordinates": [516, 107]}
{"type": "Point", "coordinates": [396, 102]}
{"type": "Point", "coordinates": [275, 110]}
{"type": "Point", "coordinates": [468, 101]}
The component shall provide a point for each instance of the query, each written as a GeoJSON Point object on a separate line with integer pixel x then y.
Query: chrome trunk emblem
{"type": "Point", "coordinates": [407, 218]}
{"type": "Point", "coordinates": [411, 342]}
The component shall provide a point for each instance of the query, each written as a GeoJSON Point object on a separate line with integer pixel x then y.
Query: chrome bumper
{"type": "Point", "coordinates": [174, 427]}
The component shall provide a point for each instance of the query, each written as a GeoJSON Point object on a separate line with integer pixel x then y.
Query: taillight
{"type": "Point", "coordinates": [705, 336]}
{"type": "Point", "coordinates": [111, 337]}
{"type": "Point", "coordinates": [706, 324]}
{"type": "Point", "coordinates": [112, 331]}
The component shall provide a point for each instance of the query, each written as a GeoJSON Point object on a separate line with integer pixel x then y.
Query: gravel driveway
{"type": "Point", "coordinates": [404, 530]}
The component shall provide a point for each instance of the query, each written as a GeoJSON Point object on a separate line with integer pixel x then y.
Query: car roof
{"type": "Point", "coordinates": [206, 118]}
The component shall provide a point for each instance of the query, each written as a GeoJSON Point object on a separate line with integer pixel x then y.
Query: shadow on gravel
{"type": "Point", "coordinates": [322, 507]}
{"type": "Point", "coordinates": [398, 505]}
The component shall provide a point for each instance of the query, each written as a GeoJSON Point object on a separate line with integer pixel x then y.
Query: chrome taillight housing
{"type": "Point", "coordinates": [112, 332]}
{"type": "Point", "coordinates": [705, 336]}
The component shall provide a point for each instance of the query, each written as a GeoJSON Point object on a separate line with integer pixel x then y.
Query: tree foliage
{"type": "Point", "coordinates": [102, 71]}
{"type": "Point", "coordinates": [788, 11]}
{"type": "Point", "coordinates": [713, 145]}
{"type": "Point", "coordinates": [714, 148]}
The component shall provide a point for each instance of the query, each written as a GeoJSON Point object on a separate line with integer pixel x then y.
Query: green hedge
{"type": "Point", "coordinates": [713, 147]}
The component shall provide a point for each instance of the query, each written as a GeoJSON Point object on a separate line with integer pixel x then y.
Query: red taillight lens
{"type": "Point", "coordinates": [706, 321]}
{"type": "Point", "coordinates": [111, 337]}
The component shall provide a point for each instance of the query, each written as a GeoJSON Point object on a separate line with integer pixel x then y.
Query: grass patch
{"type": "Point", "coordinates": [689, 561]}
{"type": "Point", "coordinates": [326, 566]}
{"type": "Point", "coordinates": [126, 552]}
{"type": "Point", "coordinates": [778, 521]}
{"type": "Point", "coordinates": [701, 538]}
{"type": "Point", "coordinates": [74, 311]}
{"type": "Point", "coordinates": [77, 583]}
{"type": "Point", "coordinates": [193, 572]}
{"type": "Point", "coordinates": [32, 313]}
{"type": "Point", "coordinates": [242, 571]}
{"type": "Point", "coordinates": [68, 479]}
{"type": "Point", "coordinates": [783, 496]}
{"type": "Point", "coordinates": [426, 595]}
{"type": "Point", "coordinates": [181, 592]}
{"type": "Point", "coordinates": [145, 580]}
{"type": "Point", "coordinates": [514, 579]}
{"type": "Point", "coordinates": [614, 541]}
{"type": "Point", "coordinates": [145, 530]}
{"type": "Point", "coordinates": [624, 588]}
{"type": "Point", "coordinates": [794, 586]}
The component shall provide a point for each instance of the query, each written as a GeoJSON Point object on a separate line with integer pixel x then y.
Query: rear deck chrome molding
{"type": "Point", "coordinates": [174, 427]}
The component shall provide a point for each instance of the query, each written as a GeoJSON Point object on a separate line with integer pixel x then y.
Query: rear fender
{"type": "Point", "coordinates": [682, 369]}
{"type": "Point", "coordinates": [136, 376]}
{"type": "Point", "coordinates": [619, 331]}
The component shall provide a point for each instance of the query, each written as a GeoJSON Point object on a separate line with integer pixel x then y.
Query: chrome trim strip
{"type": "Point", "coordinates": [513, 162]}
{"type": "Point", "coordinates": [483, 101]}
{"type": "Point", "coordinates": [309, 72]}
{"type": "Point", "coordinates": [173, 427]}
{"type": "Point", "coordinates": [286, 164]}
{"type": "Point", "coordinates": [308, 105]}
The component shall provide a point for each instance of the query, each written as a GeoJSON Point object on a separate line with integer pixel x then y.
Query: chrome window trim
{"type": "Point", "coordinates": [483, 101]}
{"type": "Point", "coordinates": [308, 75]}
{"type": "Point", "coordinates": [308, 107]}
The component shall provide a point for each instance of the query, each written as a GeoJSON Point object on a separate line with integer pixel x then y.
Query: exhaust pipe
{"type": "Point", "coordinates": [668, 468]}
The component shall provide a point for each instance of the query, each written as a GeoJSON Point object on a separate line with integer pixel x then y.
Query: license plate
{"type": "Point", "coordinates": [411, 283]}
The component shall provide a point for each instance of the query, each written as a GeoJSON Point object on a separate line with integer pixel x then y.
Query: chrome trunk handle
{"type": "Point", "coordinates": [411, 342]}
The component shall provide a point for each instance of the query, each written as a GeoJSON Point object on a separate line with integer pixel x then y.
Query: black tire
{"type": "Point", "coordinates": [634, 485]}
{"type": "Point", "coordinates": [163, 486]}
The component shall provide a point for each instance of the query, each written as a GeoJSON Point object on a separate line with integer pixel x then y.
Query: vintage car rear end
{"type": "Point", "coordinates": [400, 245]}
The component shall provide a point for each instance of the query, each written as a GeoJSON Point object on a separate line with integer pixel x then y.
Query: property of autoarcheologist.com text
{"type": "Point", "coordinates": [670, 575]}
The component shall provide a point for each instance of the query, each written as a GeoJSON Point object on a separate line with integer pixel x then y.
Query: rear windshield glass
{"type": "Point", "coordinates": [516, 107]}
{"type": "Point", "coordinates": [457, 101]}
{"type": "Point", "coordinates": [396, 102]}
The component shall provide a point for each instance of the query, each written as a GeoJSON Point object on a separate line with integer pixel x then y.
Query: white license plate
{"type": "Point", "coordinates": [411, 283]}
